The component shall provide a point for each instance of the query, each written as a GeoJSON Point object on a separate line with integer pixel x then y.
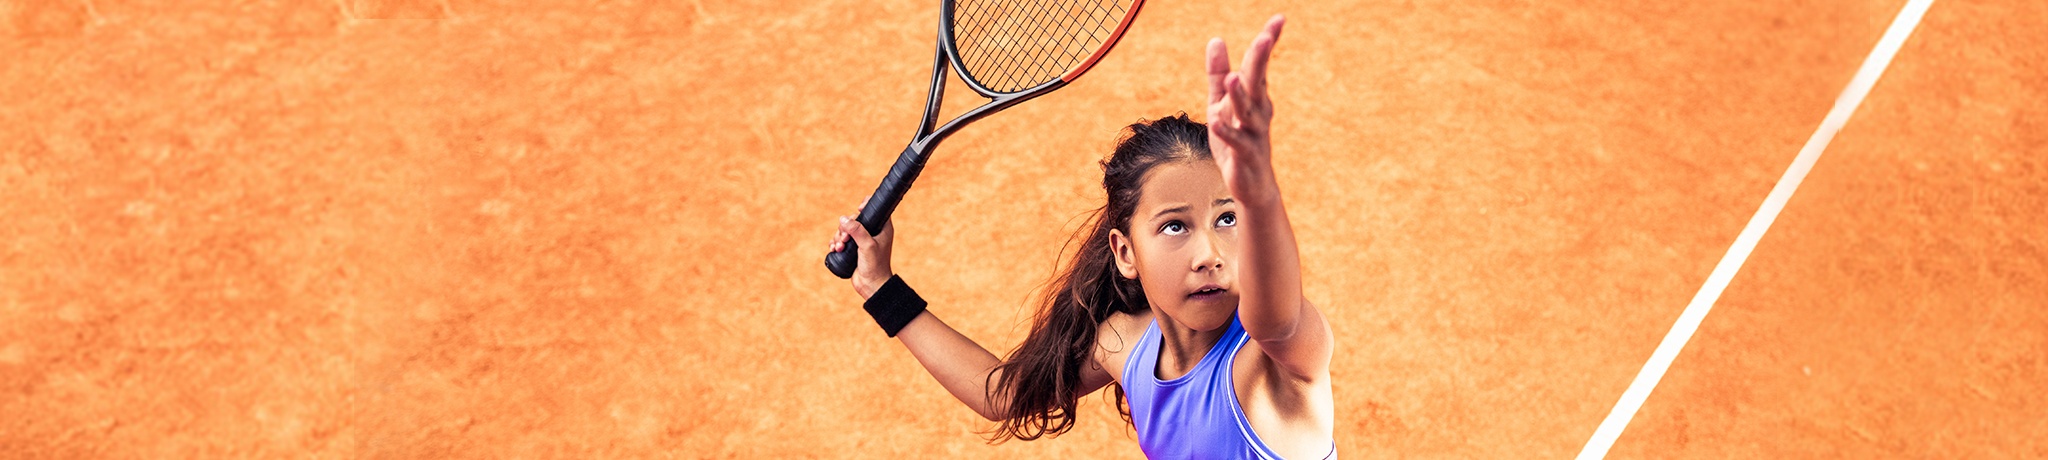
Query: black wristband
{"type": "Point", "coordinates": [894, 305]}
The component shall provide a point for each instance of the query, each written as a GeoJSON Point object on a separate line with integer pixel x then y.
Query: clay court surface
{"type": "Point", "coordinates": [463, 229]}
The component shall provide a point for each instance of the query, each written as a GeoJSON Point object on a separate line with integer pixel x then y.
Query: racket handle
{"type": "Point", "coordinates": [880, 205]}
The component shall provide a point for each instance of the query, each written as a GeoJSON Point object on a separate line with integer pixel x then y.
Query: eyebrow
{"type": "Point", "coordinates": [1168, 211]}
{"type": "Point", "coordinates": [1184, 208]}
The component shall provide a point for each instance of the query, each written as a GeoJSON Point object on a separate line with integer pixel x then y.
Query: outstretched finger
{"type": "Point", "coordinates": [1261, 52]}
{"type": "Point", "coordinates": [1219, 66]}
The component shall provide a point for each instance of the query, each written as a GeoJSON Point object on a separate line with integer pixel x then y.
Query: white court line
{"type": "Point", "coordinates": [1689, 321]}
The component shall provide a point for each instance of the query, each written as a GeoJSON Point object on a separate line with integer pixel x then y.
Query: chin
{"type": "Point", "coordinates": [1207, 318]}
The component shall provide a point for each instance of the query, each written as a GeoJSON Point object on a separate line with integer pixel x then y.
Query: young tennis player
{"type": "Point", "coordinates": [1185, 294]}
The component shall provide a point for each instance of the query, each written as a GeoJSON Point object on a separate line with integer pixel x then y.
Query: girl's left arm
{"type": "Point", "coordinates": [1270, 302]}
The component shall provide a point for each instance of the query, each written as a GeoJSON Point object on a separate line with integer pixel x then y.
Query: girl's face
{"type": "Point", "coordinates": [1181, 245]}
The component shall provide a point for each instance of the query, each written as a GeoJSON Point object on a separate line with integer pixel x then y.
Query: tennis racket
{"type": "Point", "coordinates": [1009, 51]}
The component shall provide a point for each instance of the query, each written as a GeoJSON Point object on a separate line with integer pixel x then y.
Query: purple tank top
{"type": "Point", "coordinates": [1195, 416]}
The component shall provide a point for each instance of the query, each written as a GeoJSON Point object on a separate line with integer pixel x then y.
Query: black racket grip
{"type": "Point", "coordinates": [880, 205]}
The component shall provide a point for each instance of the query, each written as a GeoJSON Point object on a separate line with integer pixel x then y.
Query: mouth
{"type": "Point", "coordinates": [1206, 292]}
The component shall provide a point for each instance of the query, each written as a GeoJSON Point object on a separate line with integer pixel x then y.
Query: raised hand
{"type": "Point", "coordinates": [1241, 116]}
{"type": "Point", "coordinates": [1270, 302]}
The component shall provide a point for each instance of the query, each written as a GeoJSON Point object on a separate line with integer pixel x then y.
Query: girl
{"type": "Point", "coordinates": [1192, 257]}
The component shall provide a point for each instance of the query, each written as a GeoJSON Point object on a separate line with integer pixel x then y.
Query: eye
{"type": "Point", "coordinates": [1173, 228]}
{"type": "Point", "coordinates": [1229, 219]}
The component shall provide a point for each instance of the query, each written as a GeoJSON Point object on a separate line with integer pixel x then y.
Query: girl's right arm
{"type": "Point", "coordinates": [959, 364]}
{"type": "Point", "coordinates": [964, 367]}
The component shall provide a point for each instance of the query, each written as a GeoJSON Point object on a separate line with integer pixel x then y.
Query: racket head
{"type": "Point", "coordinates": [1006, 47]}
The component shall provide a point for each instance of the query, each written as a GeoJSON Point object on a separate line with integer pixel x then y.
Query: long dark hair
{"type": "Point", "coordinates": [1040, 377]}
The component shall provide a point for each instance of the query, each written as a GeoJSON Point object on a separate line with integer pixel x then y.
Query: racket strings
{"type": "Point", "coordinates": [1013, 45]}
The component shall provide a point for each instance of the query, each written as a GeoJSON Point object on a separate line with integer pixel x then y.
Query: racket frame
{"type": "Point", "coordinates": [882, 203]}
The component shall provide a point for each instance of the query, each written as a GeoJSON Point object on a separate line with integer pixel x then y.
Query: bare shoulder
{"type": "Point", "coordinates": [1116, 337]}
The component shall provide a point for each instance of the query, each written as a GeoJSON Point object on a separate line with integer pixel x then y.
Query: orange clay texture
{"type": "Point", "coordinates": [550, 229]}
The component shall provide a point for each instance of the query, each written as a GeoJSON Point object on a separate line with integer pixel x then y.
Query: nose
{"type": "Point", "coordinates": [1208, 255]}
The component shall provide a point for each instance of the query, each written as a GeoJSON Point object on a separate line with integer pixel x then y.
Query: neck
{"type": "Point", "coordinates": [1181, 348]}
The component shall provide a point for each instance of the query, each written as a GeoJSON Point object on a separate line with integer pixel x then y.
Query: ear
{"type": "Point", "coordinates": [1126, 257]}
